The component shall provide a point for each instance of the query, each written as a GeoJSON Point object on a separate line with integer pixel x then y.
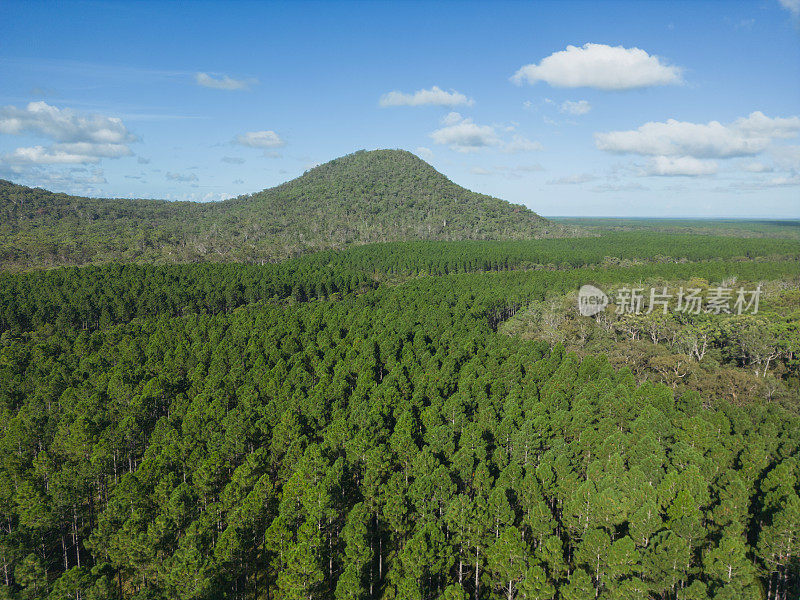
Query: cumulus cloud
{"type": "Point", "coordinates": [520, 143]}
{"type": "Point", "coordinates": [747, 136]}
{"type": "Point", "coordinates": [93, 150]}
{"type": "Point", "coordinates": [432, 97]}
{"type": "Point", "coordinates": [260, 139]}
{"type": "Point", "coordinates": [424, 152]}
{"type": "Point", "coordinates": [793, 6]}
{"type": "Point", "coordinates": [581, 107]}
{"type": "Point", "coordinates": [680, 165]}
{"type": "Point", "coordinates": [602, 67]}
{"type": "Point", "coordinates": [214, 197]}
{"type": "Point", "coordinates": [757, 167]}
{"type": "Point", "coordinates": [223, 82]}
{"type": "Point", "coordinates": [463, 135]}
{"type": "Point", "coordinates": [182, 177]}
{"type": "Point", "coordinates": [77, 153]}
{"type": "Point", "coordinates": [39, 155]}
{"type": "Point", "coordinates": [63, 125]}
{"type": "Point", "coordinates": [79, 137]}
{"type": "Point", "coordinates": [786, 157]}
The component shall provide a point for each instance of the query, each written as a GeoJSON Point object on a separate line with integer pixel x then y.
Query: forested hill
{"type": "Point", "coordinates": [377, 196]}
{"type": "Point", "coordinates": [387, 195]}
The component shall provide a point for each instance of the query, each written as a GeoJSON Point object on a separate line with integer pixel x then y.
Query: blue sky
{"type": "Point", "coordinates": [571, 108]}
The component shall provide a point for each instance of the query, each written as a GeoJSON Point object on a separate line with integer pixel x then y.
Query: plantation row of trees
{"type": "Point", "coordinates": [92, 297]}
{"type": "Point", "coordinates": [97, 296]}
{"type": "Point", "coordinates": [607, 250]}
{"type": "Point", "coordinates": [383, 444]}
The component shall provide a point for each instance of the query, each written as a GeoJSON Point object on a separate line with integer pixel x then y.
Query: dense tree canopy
{"type": "Point", "coordinates": [115, 293]}
{"type": "Point", "coordinates": [334, 428]}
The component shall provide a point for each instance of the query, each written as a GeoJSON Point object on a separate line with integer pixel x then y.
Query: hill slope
{"type": "Point", "coordinates": [383, 195]}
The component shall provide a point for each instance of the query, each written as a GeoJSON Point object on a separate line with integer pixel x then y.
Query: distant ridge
{"type": "Point", "coordinates": [364, 197]}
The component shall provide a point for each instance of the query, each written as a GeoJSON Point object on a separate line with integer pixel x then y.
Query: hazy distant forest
{"type": "Point", "coordinates": [187, 415]}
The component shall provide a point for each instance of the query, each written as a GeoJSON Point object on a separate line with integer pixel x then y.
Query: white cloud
{"type": "Point", "coordinates": [786, 157]}
{"type": "Point", "coordinates": [93, 150]}
{"type": "Point", "coordinates": [39, 155]}
{"type": "Point", "coordinates": [462, 135]}
{"type": "Point", "coordinates": [581, 107]}
{"type": "Point", "coordinates": [260, 139]}
{"type": "Point", "coordinates": [602, 67]}
{"type": "Point", "coordinates": [184, 178]}
{"type": "Point", "coordinates": [573, 179]}
{"type": "Point", "coordinates": [746, 136]}
{"type": "Point", "coordinates": [520, 143]}
{"type": "Point", "coordinates": [432, 97]}
{"type": "Point", "coordinates": [480, 171]}
{"type": "Point", "coordinates": [783, 181]}
{"type": "Point", "coordinates": [759, 125]}
{"type": "Point", "coordinates": [233, 160]}
{"type": "Point", "coordinates": [680, 165]}
{"type": "Point", "coordinates": [214, 196]}
{"type": "Point", "coordinates": [452, 118]}
{"type": "Point", "coordinates": [81, 138]}
{"type": "Point", "coordinates": [757, 167]}
{"type": "Point", "coordinates": [793, 6]}
{"type": "Point", "coordinates": [424, 152]}
{"type": "Point", "coordinates": [223, 82]}
{"type": "Point", "coordinates": [63, 125]}
{"type": "Point", "coordinates": [78, 153]}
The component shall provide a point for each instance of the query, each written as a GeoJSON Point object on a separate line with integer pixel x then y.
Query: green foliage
{"type": "Point", "coordinates": [220, 435]}
{"type": "Point", "coordinates": [731, 356]}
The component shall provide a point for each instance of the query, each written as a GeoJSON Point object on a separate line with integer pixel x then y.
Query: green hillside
{"type": "Point", "coordinates": [365, 197]}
